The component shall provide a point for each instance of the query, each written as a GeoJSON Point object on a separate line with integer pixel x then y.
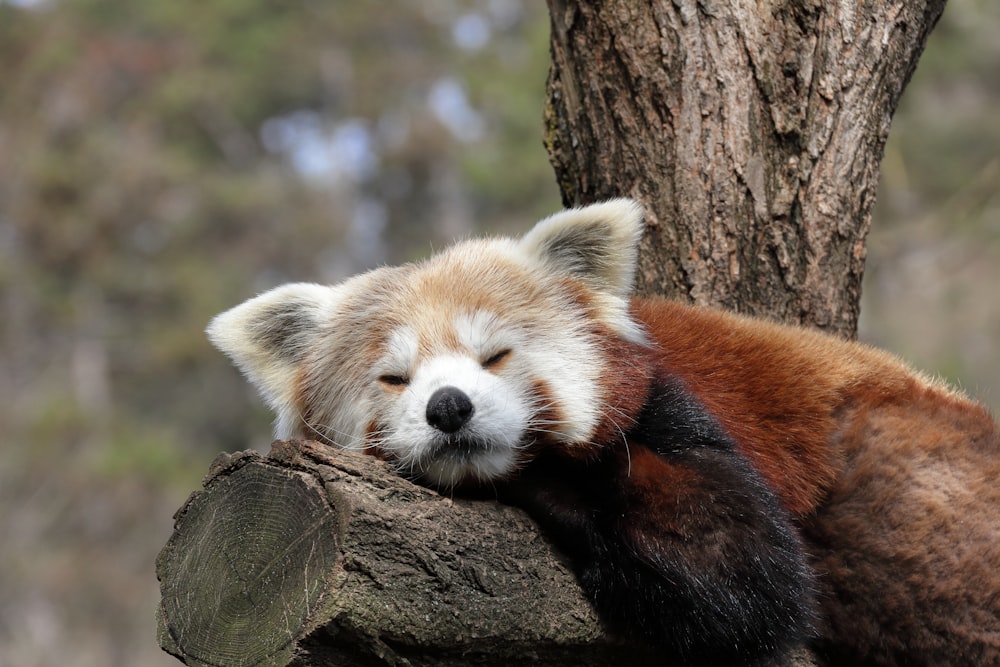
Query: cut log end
{"type": "Point", "coordinates": [247, 565]}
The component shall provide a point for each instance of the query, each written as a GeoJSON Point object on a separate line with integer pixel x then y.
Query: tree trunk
{"type": "Point", "coordinates": [752, 132]}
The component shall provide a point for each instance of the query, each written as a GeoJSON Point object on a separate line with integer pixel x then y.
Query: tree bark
{"type": "Point", "coordinates": [752, 132]}
{"type": "Point", "coordinates": [317, 556]}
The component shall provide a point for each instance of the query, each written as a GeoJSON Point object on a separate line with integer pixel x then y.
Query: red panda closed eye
{"type": "Point", "coordinates": [727, 488]}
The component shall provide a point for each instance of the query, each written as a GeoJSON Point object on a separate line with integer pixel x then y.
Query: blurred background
{"type": "Point", "coordinates": [161, 161]}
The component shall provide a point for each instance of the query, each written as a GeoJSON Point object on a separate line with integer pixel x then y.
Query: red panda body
{"type": "Point", "coordinates": [727, 488]}
{"type": "Point", "coordinates": [891, 479]}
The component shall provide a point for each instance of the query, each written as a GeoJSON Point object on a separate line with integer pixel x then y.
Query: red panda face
{"type": "Point", "coordinates": [457, 368]}
{"type": "Point", "coordinates": [457, 414]}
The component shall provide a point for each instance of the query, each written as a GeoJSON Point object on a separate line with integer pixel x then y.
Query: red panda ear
{"type": "Point", "coordinates": [266, 337]}
{"type": "Point", "coordinates": [597, 244]}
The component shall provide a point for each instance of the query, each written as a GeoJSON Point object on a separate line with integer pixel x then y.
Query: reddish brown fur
{"type": "Point", "coordinates": [913, 518]}
{"type": "Point", "coordinates": [549, 413]}
{"type": "Point", "coordinates": [892, 478]}
{"type": "Point", "coordinates": [625, 385]}
{"type": "Point", "coordinates": [772, 393]}
{"type": "Point", "coordinates": [371, 437]}
{"type": "Point", "coordinates": [648, 474]}
{"type": "Point", "coordinates": [889, 478]}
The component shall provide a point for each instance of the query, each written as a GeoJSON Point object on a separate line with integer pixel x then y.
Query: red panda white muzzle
{"type": "Point", "coordinates": [456, 422]}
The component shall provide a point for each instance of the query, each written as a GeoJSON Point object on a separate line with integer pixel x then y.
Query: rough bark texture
{"type": "Point", "coordinates": [752, 131]}
{"type": "Point", "coordinates": [313, 556]}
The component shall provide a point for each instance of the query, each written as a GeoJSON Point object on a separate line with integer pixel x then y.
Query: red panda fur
{"type": "Point", "coordinates": [726, 488]}
{"type": "Point", "coordinates": [886, 526]}
{"type": "Point", "coordinates": [761, 386]}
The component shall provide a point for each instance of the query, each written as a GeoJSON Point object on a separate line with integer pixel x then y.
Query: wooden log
{"type": "Point", "coordinates": [317, 556]}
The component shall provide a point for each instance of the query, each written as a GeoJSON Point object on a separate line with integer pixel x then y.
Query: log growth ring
{"type": "Point", "coordinates": [258, 544]}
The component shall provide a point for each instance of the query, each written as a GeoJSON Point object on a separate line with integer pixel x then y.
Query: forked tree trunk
{"type": "Point", "coordinates": [752, 132]}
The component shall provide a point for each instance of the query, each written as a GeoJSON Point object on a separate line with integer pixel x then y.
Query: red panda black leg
{"type": "Point", "coordinates": [678, 543]}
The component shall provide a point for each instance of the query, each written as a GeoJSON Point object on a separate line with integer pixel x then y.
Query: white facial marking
{"type": "Point", "coordinates": [484, 447]}
{"type": "Point", "coordinates": [400, 356]}
{"type": "Point", "coordinates": [482, 333]}
{"type": "Point", "coordinates": [531, 369]}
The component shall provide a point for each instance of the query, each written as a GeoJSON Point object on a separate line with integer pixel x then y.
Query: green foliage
{"type": "Point", "coordinates": [138, 197]}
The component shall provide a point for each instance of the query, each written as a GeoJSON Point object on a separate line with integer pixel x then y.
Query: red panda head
{"type": "Point", "coordinates": [456, 367]}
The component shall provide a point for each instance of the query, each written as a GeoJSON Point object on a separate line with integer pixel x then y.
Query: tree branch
{"type": "Point", "coordinates": [324, 557]}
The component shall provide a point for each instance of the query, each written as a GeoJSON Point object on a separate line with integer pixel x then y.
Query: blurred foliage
{"type": "Point", "coordinates": [162, 161]}
{"type": "Point", "coordinates": [931, 284]}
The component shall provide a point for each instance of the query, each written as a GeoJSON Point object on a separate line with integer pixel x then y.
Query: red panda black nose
{"type": "Point", "coordinates": [449, 409]}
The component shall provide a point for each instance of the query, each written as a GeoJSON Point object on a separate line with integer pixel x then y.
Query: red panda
{"type": "Point", "coordinates": [727, 488]}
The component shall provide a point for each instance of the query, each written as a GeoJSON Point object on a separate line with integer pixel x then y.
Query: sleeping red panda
{"type": "Point", "coordinates": [727, 488]}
